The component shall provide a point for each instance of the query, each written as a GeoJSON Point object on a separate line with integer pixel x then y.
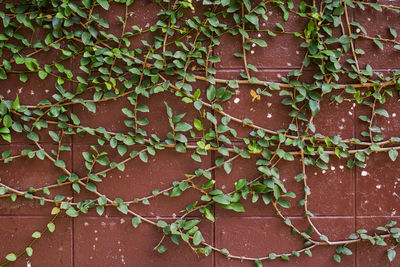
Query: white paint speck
{"type": "Point", "coordinates": [394, 115]}
{"type": "Point", "coordinates": [252, 52]}
{"type": "Point", "coordinates": [253, 45]}
{"type": "Point", "coordinates": [378, 186]}
{"type": "Point", "coordinates": [123, 259]}
{"type": "Point", "coordinates": [121, 221]}
{"type": "Point", "coordinates": [341, 167]}
{"type": "Point", "coordinates": [364, 173]}
{"type": "Point", "coordinates": [237, 100]}
{"type": "Point", "coordinates": [323, 171]}
{"type": "Point", "coordinates": [259, 35]}
{"type": "Point", "coordinates": [86, 224]}
{"type": "Point", "coordinates": [332, 168]}
{"type": "Point", "coordinates": [269, 115]}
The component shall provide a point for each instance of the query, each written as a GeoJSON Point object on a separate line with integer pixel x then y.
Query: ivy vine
{"type": "Point", "coordinates": [92, 57]}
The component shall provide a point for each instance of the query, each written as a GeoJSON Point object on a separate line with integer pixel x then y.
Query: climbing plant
{"type": "Point", "coordinates": [97, 52]}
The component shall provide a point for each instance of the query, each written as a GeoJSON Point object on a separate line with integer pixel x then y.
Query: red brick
{"type": "Point", "coordinates": [377, 187]}
{"type": "Point", "coordinates": [369, 255]}
{"type": "Point", "coordinates": [23, 173]}
{"type": "Point", "coordinates": [113, 241]}
{"type": "Point", "coordinates": [52, 248]}
{"type": "Point", "coordinates": [159, 173]}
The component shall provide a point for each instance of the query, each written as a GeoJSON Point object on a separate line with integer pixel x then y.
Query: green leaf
{"type": "Point", "coordinates": [337, 258]}
{"type": "Point", "coordinates": [42, 74]}
{"type": "Point", "coordinates": [51, 227]}
{"type": "Point", "coordinates": [161, 249]}
{"type": "Point", "coordinates": [376, 6]}
{"type": "Point", "coordinates": [29, 251]}
{"type": "Point", "coordinates": [16, 105]}
{"type": "Point", "coordinates": [393, 154]}
{"type": "Point", "coordinates": [72, 212]}
{"type": "Point", "coordinates": [247, 4]}
{"type": "Point", "coordinates": [104, 4]}
{"type": "Point", "coordinates": [314, 106]}
{"type": "Point", "coordinates": [209, 215]}
{"type": "Point", "coordinates": [59, 163]}
{"type": "Point", "coordinates": [378, 43]}
{"type": "Point", "coordinates": [36, 235]}
{"type": "Point", "coordinates": [122, 149]}
{"type": "Point", "coordinates": [123, 208]}
{"type": "Point", "coordinates": [258, 263]}
{"type": "Point", "coordinates": [11, 257]}
{"type": "Point", "coordinates": [283, 203]}
{"type": "Point", "coordinates": [253, 19]}
{"type": "Point", "coordinates": [236, 206]}
{"type": "Point", "coordinates": [240, 184]}
{"type": "Point", "coordinates": [261, 43]}
{"type": "Point", "coordinates": [382, 112]}
{"type": "Point", "coordinates": [86, 38]}
{"type": "Point", "coordinates": [222, 199]}
{"type": "Point", "coordinates": [190, 224]}
{"type": "Point", "coordinates": [393, 32]}
{"type": "Point", "coordinates": [136, 221]}
{"type": "Point", "coordinates": [198, 238]}
{"type": "Point", "coordinates": [198, 124]}
{"type": "Point", "coordinates": [391, 254]}
{"type": "Point", "coordinates": [211, 92]}
{"type": "Point", "coordinates": [143, 156]}
{"type": "Point", "coordinates": [33, 136]}
{"type": "Point", "coordinates": [7, 121]}
{"type": "Point", "coordinates": [182, 127]}
{"type": "Point", "coordinates": [91, 187]}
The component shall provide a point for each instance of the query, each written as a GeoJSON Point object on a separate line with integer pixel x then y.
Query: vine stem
{"type": "Point", "coordinates": [350, 33]}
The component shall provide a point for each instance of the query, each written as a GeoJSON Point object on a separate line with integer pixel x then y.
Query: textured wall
{"type": "Point", "coordinates": [342, 200]}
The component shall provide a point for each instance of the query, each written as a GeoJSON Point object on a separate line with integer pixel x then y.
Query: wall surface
{"type": "Point", "coordinates": [342, 199]}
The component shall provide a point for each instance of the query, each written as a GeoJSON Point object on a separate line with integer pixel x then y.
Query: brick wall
{"type": "Point", "coordinates": [342, 200]}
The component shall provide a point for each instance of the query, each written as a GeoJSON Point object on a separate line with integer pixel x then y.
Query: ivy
{"type": "Point", "coordinates": [178, 56]}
